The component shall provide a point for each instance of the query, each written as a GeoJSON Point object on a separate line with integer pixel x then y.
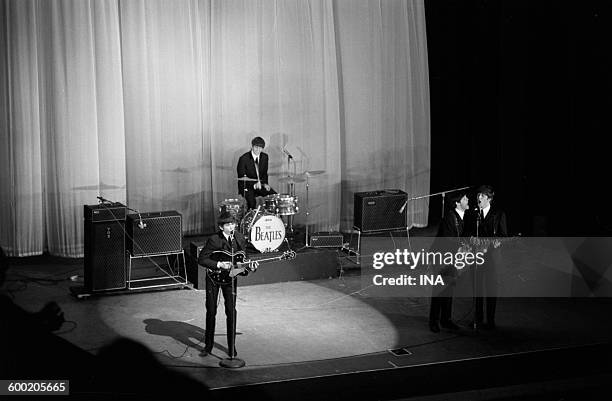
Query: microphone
{"type": "Point", "coordinates": [478, 210]}
{"type": "Point", "coordinates": [103, 200]}
{"type": "Point", "coordinates": [142, 225]}
{"type": "Point", "coordinates": [403, 207]}
{"type": "Point", "coordinates": [285, 151]}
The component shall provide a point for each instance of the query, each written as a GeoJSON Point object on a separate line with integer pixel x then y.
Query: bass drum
{"type": "Point", "coordinates": [264, 230]}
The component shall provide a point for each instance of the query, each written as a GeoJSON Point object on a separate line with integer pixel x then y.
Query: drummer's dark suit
{"type": "Point", "coordinates": [218, 242]}
{"type": "Point", "coordinates": [246, 168]}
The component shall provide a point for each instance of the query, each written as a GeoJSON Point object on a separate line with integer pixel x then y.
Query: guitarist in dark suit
{"type": "Point", "coordinates": [229, 241]}
{"type": "Point", "coordinates": [490, 225]}
{"type": "Point", "coordinates": [254, 164]}
{"type": "Point", "coordinates": [451, 233]}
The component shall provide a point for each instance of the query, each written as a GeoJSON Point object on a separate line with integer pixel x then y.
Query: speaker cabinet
{"type": "Point", "coordinates": [154, 233]}
{"type": "Point", "coordinates": [380, 210]}
{"type": "Point", "coordinates": [326, 239]}
{"type": "Point", "coordinates": [104, 259]}
{"type": "Point", "coordinates": [196, 274]}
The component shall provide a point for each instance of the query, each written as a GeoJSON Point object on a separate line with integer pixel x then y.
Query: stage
{"type": "Point", "coordinates": [331, 338]}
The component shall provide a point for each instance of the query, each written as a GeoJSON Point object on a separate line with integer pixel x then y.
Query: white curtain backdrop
{"type": "Point", "coordinates": [152, 102]}
{"type": "Point", "coordinates": [385, 92]}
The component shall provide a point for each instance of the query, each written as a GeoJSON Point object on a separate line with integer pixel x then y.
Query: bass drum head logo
{"type": "Point", "coordinates": [267, 233]}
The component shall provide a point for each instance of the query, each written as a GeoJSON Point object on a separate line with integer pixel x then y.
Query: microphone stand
{"type": "Point", "coordinates": [244, 192]}
{"type": "Point", "coordinates": [474, 281]}
{"type": "Point", "coordinates": [306, 243]}
{"type": "Point", "coordinates": [232, 362]}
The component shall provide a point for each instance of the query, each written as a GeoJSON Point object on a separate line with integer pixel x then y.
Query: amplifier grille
{"type": "Point", "coordinates": [380, 210]}
{"type": "Point", "coordinates": [161, 233]}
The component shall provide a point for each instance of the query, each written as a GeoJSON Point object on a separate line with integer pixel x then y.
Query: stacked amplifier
{"type": "Point", "coordinates": [104, 261]}
{"type": "Point", "coordinates": [110, 232]}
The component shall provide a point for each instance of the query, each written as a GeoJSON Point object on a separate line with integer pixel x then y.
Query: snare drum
{"type": "Point", "coordinates": [234, 206]}
{"type": "Point", "coordinates": [281, 204]}
{"type": "Point", "coordinates": [287, 205]}
{"type": "Point", "coordinates": [264, 230]}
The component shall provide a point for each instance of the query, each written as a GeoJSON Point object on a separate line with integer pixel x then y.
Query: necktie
{"type": "Point", "coordinates": [257, 167]}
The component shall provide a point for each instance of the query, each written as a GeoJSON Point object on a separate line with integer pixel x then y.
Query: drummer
{"type": "Point", "coordinates": [254, 165]}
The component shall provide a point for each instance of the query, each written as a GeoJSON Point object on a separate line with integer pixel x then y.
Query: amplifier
{"type": "Point", "coordinates": [157, 232]}
{"type": "Point", "coordinates": [105, 212]}
{"type": "Point", "coordinates": [380, 210]}
{"type": "Point", "coordinates": [326, 239]}
{"type": "Point", "coordinates": [104, 247]}
{"type": "Point", "coordinates": [195, 247]}
{"type": "Point", "coordinates": [196, 274]}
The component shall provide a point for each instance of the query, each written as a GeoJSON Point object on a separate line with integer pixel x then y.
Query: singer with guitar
{"type": "Point", "coordinates": [490, 229]}
{"type": "Point", "coordinates": [451, 233]}
{"type": "Point", "coordinates": [254, 165]}
{"type": "Point", "coordinates": [221, 277]}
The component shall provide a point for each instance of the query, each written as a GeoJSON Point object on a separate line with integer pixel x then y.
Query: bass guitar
{"type": "Point", "coordinates": [223, 276]}
{"type": "Point", "coordinates": [483, 244]}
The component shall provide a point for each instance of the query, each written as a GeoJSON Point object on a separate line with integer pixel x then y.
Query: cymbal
{"type": "Point", "coordinates": [246, 179]}
{"type": "Point", "coordinates": [98, 187]}
{"type": "Point", "coordinates": [313, 172]}
{"type": "Point", "coordinates": [291, 180]}
{"type": "Point", "coordinates": [176, 170]}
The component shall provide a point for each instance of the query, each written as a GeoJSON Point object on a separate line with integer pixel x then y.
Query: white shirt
{"type": "Point", "coordinates": [256, 159]}
{"type": "Point", "coordinates": [485, 210]}
{"type": "Point", "coordinates": [460, 212]}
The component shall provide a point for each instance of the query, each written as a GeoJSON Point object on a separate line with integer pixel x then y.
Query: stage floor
{"type": "Point", "coordinates": [302, 329]}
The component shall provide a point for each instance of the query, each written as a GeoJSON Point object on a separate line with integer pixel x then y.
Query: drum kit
{"type": "Point", "coordinates": [264, 226]}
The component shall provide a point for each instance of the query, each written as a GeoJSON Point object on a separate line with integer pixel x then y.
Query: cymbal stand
{"type": "Point", "coordinates": [290, 190]}
{"type": "Point", "coordinates": [244, 191]}
{"type": "Point", "coordinates": [306, 243]}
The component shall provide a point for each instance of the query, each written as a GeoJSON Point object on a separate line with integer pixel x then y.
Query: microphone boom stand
{"type": "Point", "coordinates": [306, 243]}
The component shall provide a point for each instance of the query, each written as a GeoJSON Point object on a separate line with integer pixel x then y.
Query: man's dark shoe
{"type": "Point", "coordinates": [449, 325]}
{"type": "Point", "coordinates": [434, 327]}
{"type": "Point", "coordinates": [207, 350]}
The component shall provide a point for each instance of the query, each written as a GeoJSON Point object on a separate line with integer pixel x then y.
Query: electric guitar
{"type": "Point", "coordinates": [223, 276]}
